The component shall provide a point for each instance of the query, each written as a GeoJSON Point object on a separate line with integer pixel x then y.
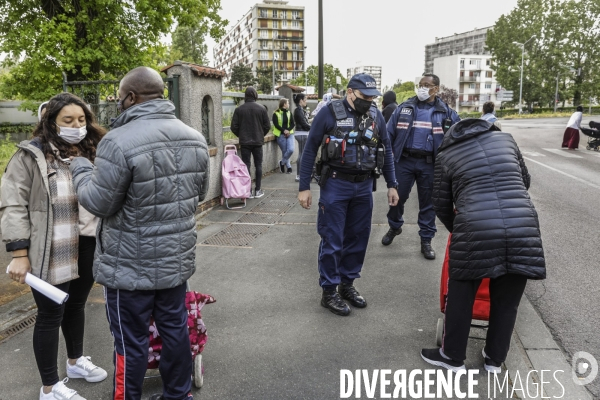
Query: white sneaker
{"type": "Point", "coordinates": [60, 392]}
{"type": "Point", "coordinates": [84, 368]}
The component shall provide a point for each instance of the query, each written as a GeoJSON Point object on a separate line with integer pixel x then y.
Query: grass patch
{"type": "Point", "coordinates": [7, 149]}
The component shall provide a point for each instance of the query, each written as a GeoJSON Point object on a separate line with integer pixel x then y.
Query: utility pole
{"type": "Point", "coordinates": [521, 84]}
{"type": "Point", "coordinates": [321, 72]}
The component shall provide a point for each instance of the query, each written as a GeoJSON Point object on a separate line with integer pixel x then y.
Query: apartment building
{"type": "Point", "coordinates": [271, 32]}
{"type": "Point", "coordinates": [375, 72]}
{"type": "Point", "coordinates": [472, 42]}
{"type": "Point", "coordinates": [471, 76]}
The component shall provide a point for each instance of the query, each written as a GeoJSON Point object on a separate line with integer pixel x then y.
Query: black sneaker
{"type": "Point", "coordinates": [156, 396]}
{"type": "Point", "coordinates": [349, 292]}
{"type": "Point", "coordinates": [332, 300]}
{"type": "Point", "coordinates": [491, 365]}
{"type": "Point", "coordinates": [388, 238]}
{"type": "Point", "coordinates": [427, 251]}
{"type": "Point", "coordinates": [435, 357]}
{"type": "Point", "coordinates": [281, 167]}
{"type": "Point", "coordinates": [289, 170]}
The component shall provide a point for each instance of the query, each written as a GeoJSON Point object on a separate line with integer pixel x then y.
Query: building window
{"type": "Point", "coordinates": [263, 13]}
{"type": "Point", "coordinates": [462, 63]}
{"type": "Point", "coordinates": [284, 24]}
{"type": "Point", "coordinates": [488, 62]}
{"type": "Point", "coordinates": [295, 46]}
{"type": "Point", "coordinates": [488, 85]}
{"type": "Point", "coordinates": [488, 74]}
{"type": "Point", "coordinates": [295, 24]}
{"type": "Point", "coordinates": [284, 15]}
{"type": "Point", "coordinates": [275, 24]}
{"type": "Point", "coordinates": [264, 55]}
{"type": "Point", "coordinates": [274, 13]}
{"type": "Point", "coordinates": [264, 34]}
{"type": "Point", "coordinates": [471, 86]}
{"type": "Point", "coordinates": [295, 14]}
{"type": "Point", "coordinates": [295, 56]}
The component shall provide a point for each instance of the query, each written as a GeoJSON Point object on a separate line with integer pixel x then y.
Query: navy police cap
{"type": "Point", "coordinates": [365, 83]}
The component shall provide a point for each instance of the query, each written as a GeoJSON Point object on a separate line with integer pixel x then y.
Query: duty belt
{"type": "Point", "coordinates": [416, 154]}
{"type": "Point", "coordinates": [351, 177]}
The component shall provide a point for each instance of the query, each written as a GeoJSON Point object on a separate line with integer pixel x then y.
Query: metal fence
{"type": "Point", "coordinates": [102, 96]}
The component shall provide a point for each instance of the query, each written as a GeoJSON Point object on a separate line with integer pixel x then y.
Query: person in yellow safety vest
{"type": "Point", "coordinates": [283, 129]}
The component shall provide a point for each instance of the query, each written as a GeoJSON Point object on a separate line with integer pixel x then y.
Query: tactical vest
{"type": "Point", "coordinates": [348, 147]}
{"type": "Point", "coordinates": [421, 137]}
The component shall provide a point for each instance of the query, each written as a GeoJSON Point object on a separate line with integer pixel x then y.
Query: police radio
{"type": "Point", "coordinates": [446, 125]}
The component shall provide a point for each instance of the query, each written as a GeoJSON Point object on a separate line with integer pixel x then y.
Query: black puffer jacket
{"type": "Point", "coordinates": [250, 122]}
{"type": "Point", "coordinates": [300, 119]}
{"type": "Point", "coordinates": [479, 171]}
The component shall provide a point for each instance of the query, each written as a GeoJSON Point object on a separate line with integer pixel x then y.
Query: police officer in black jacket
{"type": "Point", "coordinates": [354, 144]}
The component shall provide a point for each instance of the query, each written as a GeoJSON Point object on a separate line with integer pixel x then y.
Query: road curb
{"type": "Point", "coordinates": [533, 350]}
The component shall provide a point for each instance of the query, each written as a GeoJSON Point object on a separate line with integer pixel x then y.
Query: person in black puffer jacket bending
{"type": "Point", "coordinates": [480, 195]}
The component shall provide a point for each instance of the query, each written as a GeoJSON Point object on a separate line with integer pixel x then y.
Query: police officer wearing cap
{"type": "Point", "coordinates": [355, 148]}
{"type": "Point", "coordinates": [416, 129]}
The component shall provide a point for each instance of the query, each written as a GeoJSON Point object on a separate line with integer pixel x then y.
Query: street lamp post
{"type": "Point", "coordinates": [521, 82]}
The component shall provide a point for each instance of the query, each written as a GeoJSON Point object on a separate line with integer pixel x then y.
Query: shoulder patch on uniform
{"type": "Point", "coordinates": [407, 111]}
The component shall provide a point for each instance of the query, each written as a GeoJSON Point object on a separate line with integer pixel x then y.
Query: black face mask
{"type": "Point", "coordinates": [120, 107]}
{"type": "Point", "coordinates": [361, 106]}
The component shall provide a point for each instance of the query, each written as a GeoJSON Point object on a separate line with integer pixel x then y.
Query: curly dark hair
{"type": "Point", "coordinates": [46, 130]}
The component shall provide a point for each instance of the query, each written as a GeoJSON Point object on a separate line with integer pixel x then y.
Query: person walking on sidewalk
{"type": "Point", "coordinates": [571, 136]}
{"type": "Point", "coordinates": [250, 123]}
{"type": "Point", "coordinates": [483, 202]}
{"type": "Point", "coordinates": [283, 129]}
{"type": "Point", "coordinates": [51, 236]}
{"type": "Point", "coordinates": [151, 172]}
{"type": "Point", "coordinates": [303, 127]}
{"type": "Point", "coordinates": [416, 131]}
{"type": "Point", "coordinates": [356, 145]}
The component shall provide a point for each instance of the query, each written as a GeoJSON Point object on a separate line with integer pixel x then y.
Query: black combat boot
{"type": "Point", "coordinates": [349, 292]}
{"type": "Point", "coordinates": [427, 251]}
{"type": "Point", "coordinates": [332, 300]}
{"type": "Point", "coordinates": [388, 238]}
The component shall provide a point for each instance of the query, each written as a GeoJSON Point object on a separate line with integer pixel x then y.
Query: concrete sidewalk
{"type": "Point", "coordinates": [269, 338]}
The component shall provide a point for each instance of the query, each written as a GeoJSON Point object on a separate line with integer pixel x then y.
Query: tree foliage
{"type": "Point", "coordinates": [566, 45]}
{"type": "Point", "coordinates": [187, 43]}
{"type": "Point", "coordinates": [404, 91]}
{"type": "Point", "coordinates": [448, 95]}
{"type": "Point", "coordinates": [241, 77]}
{"type": "Point", "coordinates": [90, 39]}
{"type": "Point", "coordinates": [264, 79]}
{"type": "Point", "coordinates": [329, 77]}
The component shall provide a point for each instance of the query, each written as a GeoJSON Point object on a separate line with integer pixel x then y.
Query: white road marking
{"type": "Point", "coordinates": [564, 153]}
{"type": "Point", "coordinates": [534, 154]}
{"type": "Point", "coordinates": [564, 173]}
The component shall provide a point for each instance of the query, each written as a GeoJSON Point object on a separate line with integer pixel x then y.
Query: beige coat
{"type": "Point", "coordinates": [25, 209]}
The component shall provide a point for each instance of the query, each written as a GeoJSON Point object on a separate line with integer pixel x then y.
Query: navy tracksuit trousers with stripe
{"type": "Point", "coordinates": [128, 314]}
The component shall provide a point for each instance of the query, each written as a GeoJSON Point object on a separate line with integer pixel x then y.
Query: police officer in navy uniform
{"type": "Point", "coordinates": [354, 148]}
{"type": "Point", "coordinates": [416, 130]}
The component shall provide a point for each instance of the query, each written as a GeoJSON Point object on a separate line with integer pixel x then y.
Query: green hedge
{"type": "Point", "coordinates": [7, 149]}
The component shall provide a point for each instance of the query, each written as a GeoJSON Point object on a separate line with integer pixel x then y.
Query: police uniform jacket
{"type": "Point", "coordinates": [401, 123]}
{"type": "Point", "coordinates": [480, 195]}
{"type": "Point", "coordinates": [324, 123]}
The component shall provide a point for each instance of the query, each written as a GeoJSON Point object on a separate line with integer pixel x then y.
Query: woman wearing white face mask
{"type": "Point", "coordinates": [52, 237]}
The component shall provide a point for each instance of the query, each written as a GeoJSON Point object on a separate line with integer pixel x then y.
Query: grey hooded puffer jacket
{"type": "Point", "coordinates": [150, 172]}
{"type": "Point", "coordinates": [480, 194]}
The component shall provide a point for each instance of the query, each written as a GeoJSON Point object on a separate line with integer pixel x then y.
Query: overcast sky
{"type": "Point", "coordinates": [390, 33]}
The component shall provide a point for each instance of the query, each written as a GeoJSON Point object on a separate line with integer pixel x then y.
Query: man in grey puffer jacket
{"type": "Point", "coordinates": [151, 170]}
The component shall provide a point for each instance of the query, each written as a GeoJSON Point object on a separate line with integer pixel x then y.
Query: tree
{"type": "Point", "coordinates": [404, 91]}
{"type": "Point", "coordinates": [264, 79]}
{"type": "Point", "coordinates": [241, 76]}
{"type": "Point", "coordinates": [188, 43]}
{"type": "Point", "coordinates": [329, 77]}
{"type": "Point", "coordinates": [448, 95]}
{"type": "Point", "coordinates": [567, 33]}
{"type": "Point", "coordinates": [90, 39]}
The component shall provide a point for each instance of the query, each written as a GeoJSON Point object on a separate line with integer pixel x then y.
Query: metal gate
{"type": "Point", "coordinates": [102, 96]}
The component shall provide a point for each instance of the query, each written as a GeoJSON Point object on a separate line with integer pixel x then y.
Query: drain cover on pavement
{"type": "Point", "coordinates": [236, 235]}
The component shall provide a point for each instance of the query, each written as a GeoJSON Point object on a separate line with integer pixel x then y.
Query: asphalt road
{"type": "Point", "coordinates": [565, 190]}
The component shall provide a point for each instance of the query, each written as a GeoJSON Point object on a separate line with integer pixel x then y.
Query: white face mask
{"type": "Point", "coordinates": [72, 135]}
{"type": "Point", "coordinates": [423, 93]}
